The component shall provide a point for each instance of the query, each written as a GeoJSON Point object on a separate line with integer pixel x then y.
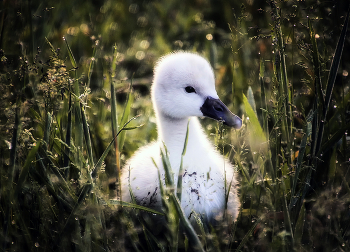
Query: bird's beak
{"type": "Point", "coordinates": [216, 109]}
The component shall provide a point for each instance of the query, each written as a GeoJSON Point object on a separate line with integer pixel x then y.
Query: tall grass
{"type": "Point", "coordinates": [64, 141]}
{"type": "Point", "coordinates": [285, 180]}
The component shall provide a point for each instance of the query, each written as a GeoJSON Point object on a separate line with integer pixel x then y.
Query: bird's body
{"type": "Point", "coordinates": [184, 88]}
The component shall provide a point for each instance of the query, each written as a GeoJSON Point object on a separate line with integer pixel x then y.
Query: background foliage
{"type": "Point", "coordinates": [65, 81]}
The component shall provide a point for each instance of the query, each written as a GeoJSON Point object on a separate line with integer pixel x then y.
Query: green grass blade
{"type": "Point", "coordinates": [287, 219]}
{"type": "Point", "coordinates": [47, 129]}
{"type": "Point", "coordinates": [257, 139]}
{"type": "Point", "coordinates": [134, 206]}
{"type": "Point", "coordinates": [300, 157]}
{"type": "Point", "coordinates": [168, 204]}
{"type": "Point", "coordinates": [193, 238]}
{"type": "Point", "coordinates": [304, 192]}
{"type": "Point", "coordinates": [332, 167]}
{"type": "Point", "coordinates": [104, 154]}
{"type": "Point", "coordinates": [251, 100]}
{"type": "Point", "coordinates": [10, 190]}
{"type": "Point", "coordinates": [213, 59]}
{"type": "Point", "coordinates": [14, 145]}
{"type": "Point", "coordinates": [282, 70]}
{"type": "Point", "coordinates": [84, 192]}
{"type": "Point", "coordinates": [23, 226]}
{"type": "Point", "coordinates": [175, 203]}
{"type": "Point", "coordinates": [179, 179]}
{"type": "Point", "coordinates": [336, 62]}
{"type": "Point", "coordinates": [331, 79]}
{"type": "Point", "coordinates": [263, 98]}
{"type": "Point", "coordinates": [78, 131]}
{"type": "Point", "coordinates": [66, 152]}
{"type": "Point", "coordinates": [315, 124]}
{"type": "Point", "coordinates": [87, 235]}
{"type": "Point", "coordinates": [298, 230]}
{"type": "Point", "coordinates": [341, 111]}
{"type": "Point", "coordinates": [113, 98]}
{"type": "Point", "coordinates": [114, 115]}
{"type": "Point", "coordinates": [243, 169]}
{"type": "Point", "coordinates": [25, 169]}
{"type": "Point", "coordinates": [335, 138]}
{"type": "Point", "coordinates": [114, 61]}
{"type": "Point", "coordinates": [247, 236]}
{"type": "Point", "coordinates": [57, 171]}
{"type": "Point", "coordinates": [125, 117]}
{"type": "Point", "coordinates": [169, 175]}
{"type": "Point", "coordinates": [316, 62]}
{"type": "Point", "coordinates": [41, 171]}
{"type": "Point", "coordinates": [42, 176]}
{"type": "Point", "coordinates": [114, 121]}
{"type": "Point", "coordinates": [87, 137]}
{"type": "Point", "coordinates": [70, 53]}
{"type": "Point", "coordinates": [149, 235]}
{"type": "Point", "coordinates": [255, 128]}
{"type": "Point", "coordinates": [91, 66]}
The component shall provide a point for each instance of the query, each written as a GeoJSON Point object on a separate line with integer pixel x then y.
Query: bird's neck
{"type": "Point", "coordinates": [172, 132]}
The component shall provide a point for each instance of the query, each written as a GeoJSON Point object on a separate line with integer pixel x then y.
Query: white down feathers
{"type": "Point", "coordinates": [205, 170]}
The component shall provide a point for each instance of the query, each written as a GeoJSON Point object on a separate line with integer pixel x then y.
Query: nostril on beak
{"type": "Point", "coordinates": [218, 107]}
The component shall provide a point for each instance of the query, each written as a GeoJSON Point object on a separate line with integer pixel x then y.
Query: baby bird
{"type": "Point", "coordinates": [184, 88]}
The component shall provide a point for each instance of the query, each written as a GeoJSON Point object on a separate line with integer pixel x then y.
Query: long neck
{"type": "Point", "coordinates": [171, 131]}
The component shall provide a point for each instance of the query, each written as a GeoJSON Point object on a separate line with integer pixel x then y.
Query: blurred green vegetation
{"type": "Point", "coordinates": [62, 63]}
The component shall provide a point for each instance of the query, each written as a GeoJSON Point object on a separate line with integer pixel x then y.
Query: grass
{"type": "Point", "coordinates": [69, 122]}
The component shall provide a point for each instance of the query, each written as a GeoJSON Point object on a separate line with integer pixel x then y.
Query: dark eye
{"type": "Point", "coordinates": [190, 89]}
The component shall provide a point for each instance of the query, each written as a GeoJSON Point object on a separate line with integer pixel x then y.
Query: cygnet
{"type": "Point", "coordinates": [183, 89]}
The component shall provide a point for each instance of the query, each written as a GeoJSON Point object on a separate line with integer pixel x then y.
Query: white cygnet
{"type": "Point", "coordinates": [184, 88]}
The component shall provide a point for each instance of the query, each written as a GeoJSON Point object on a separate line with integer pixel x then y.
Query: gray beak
{"type": "Point", "coordinates": [216, 109]}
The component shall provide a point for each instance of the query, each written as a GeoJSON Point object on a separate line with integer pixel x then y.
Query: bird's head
{"type": "Point", "coordinates": [184, 86]}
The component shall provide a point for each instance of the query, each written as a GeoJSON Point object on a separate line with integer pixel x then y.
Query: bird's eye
{"type": "Point", "coordinates": [190, 89]}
